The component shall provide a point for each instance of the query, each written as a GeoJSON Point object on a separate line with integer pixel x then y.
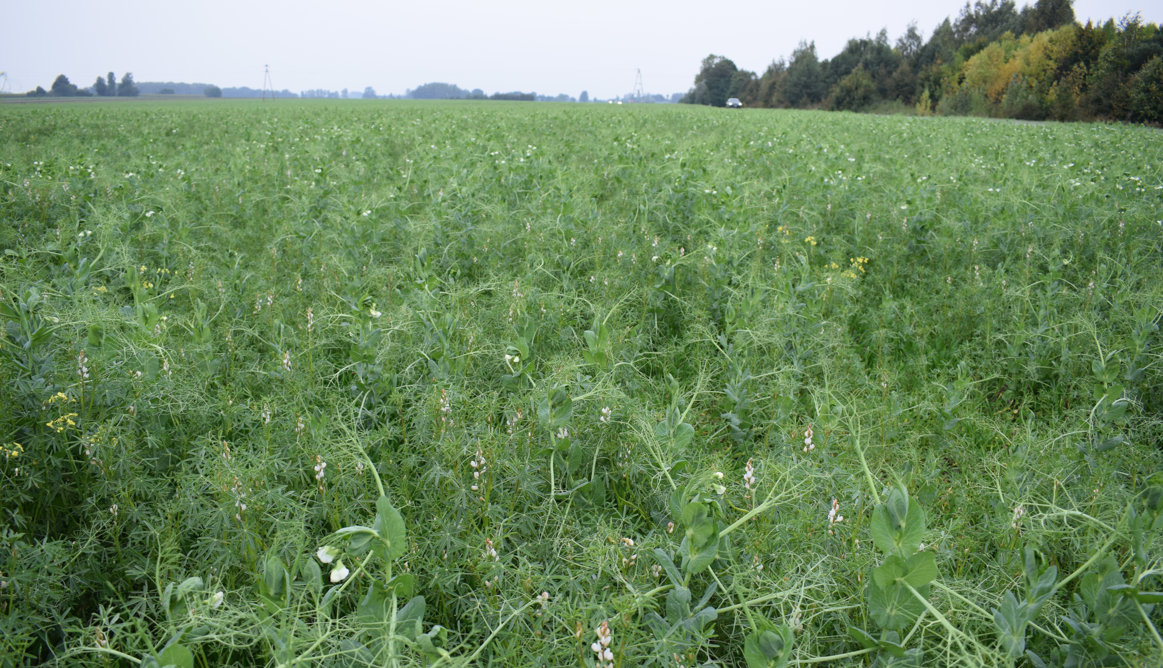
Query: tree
{"type": "Point", "coordinates": [110, 84]}
{"type": "Point", "coordinates": [910, 43]}
{"type": "Point", "coordinates": [369, 93]}
{"type": "Point", "coordinates": [771, 85]}
{"type": "Point", "coordinates": [62, 88]}
{"type": "Point", "coordinates": [805, 85]}
{"type": "Point", "coordinates": [100, 88]}
{"type": "Point", "coordinates": [1048, 15]}
{"type": "Point", "coordinates": [1145, 92]}
{"type": "Point", "coordinates": [986, 21]}
{"type": "Point", "coordinates": [212, 91]}
{"type": "Point", "coordinates": [439, 91]}
{"type": "Point", "coordinates": [745, 86]}
{"type": "Point", "coordinates": [584, 97]}
{"type": "Point", "coordinates": [713, 82]}
{"type": "Point", "coordinates": [855, 92]}
{"type": "Point", "coordinates": [127, 88]}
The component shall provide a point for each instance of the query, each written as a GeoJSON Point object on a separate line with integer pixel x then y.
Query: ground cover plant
{"type": "Point", "coordinates": [486, 384]}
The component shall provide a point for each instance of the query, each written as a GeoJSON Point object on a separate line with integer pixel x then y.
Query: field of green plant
{"type": "Point", "coordinates": [385, 384]}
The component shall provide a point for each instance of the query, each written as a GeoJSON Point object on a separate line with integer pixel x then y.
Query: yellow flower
{"type": "Point", "coordinates": [810, 240]}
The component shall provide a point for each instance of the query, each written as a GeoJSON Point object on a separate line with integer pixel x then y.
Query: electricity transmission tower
{"type": "Point", "coordinates": [3, 82]}
{"type": "Point", "coordinates": [267, 86]}
{"type": "Point", "coordinates": [639, 93]}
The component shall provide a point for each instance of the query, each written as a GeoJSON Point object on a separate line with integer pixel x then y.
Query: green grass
{"type": "Point", "coordinates": [439, 300]}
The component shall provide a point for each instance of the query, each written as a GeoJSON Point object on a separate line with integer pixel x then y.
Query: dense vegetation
{"type": "Point", "coordinates": [485, 383]}
{"type": "Point", "coordinates": [993, 60]}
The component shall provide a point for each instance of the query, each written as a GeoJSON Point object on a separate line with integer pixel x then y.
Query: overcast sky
{"type": "Point", "coordinates": [529, 45]}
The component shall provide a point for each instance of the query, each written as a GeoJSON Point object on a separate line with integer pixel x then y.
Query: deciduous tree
{"type": "Point", "coordinates": [127, 88]}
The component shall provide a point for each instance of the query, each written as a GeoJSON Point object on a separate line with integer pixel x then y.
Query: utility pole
{"type": "Point", "coordinates": [639, 93]}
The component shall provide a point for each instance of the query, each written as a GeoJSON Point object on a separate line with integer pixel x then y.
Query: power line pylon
{"type": "Point", "coordinates": [267, 87]}
{"type": "Point", "coordinates": [639, 93]}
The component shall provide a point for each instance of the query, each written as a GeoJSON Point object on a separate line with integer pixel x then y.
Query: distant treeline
{"type": "Point", "coordinates": [447, 91]}
{"type": "Point", "coordinates": [106, 86]}
{"type": "Point", "coordinates": [993, 60]}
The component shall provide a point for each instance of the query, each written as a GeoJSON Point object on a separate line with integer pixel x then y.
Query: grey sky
{"type": "Point", "coordinates": [529, 45]}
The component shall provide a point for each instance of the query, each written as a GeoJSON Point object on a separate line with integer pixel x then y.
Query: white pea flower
{"type": "Point", "coordinates": [339, 573]}
{"type": "Point", "coordinates": [327, 554]}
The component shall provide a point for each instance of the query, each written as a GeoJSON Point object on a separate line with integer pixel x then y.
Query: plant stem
{"type": "Point", "coordinates": [834, 657]}
{"type": "Point", "coordinates": [1089, 562]}
{"type": "Point", "coordinates": [472, 657]}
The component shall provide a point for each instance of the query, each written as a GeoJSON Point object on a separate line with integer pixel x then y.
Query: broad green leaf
{"type": "Point", "coordinates": [433, 642]}
{"type": "Point", "coordinates": [898, 525]}
{"type": "Point", "coordinates": [1011, 620]}
{"type": "Point", "coordinates": [889, 572]}
{"type": "Point", "coordinates": [374, 606]}
{"type": "Point", "coordinates": [312, 575]}
{"type": "Point", "coordinates": [769, 646]}
{"type": "Point", "coordinates": [176, 655]}
{"type": "Point", "coordinates": [274, 576]}
{"type": "Point", "coordinates": [863, 637]}
{"type": "Point", "coordinates": [403, 584]}
{"type": "Point", "coordinates": [698, 560]}
{"type": "Point", "coordinates": [410, 618]}
{"type": "Point", "coordinates": [881, 530]}
{"type": "Point", "coordinates": [389, 526]}
{"type": "Point", "coordinates": [921, 569]}
{"type": "Point", "coordinates": [678, 604]}
{"type": "Point", "coordinates": [893, 607]}
{"type": "Point", "coordinates": [683, 434]}
{"type": "Point", "coordinates": [918, 570]}
{"type": "Point", "coordinates": [663, 559]}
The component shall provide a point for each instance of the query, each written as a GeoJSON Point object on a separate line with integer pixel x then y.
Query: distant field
{"type": "Point", "coordinates": [353, 383]}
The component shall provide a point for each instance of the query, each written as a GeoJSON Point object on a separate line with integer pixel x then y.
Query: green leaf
{"type": "Point", "coordinates": [1011, 620]}
{"type": "Point", "coordinates": [683, 434]}
{"type": "Point", "coordinates": [886, 574]}
{"type": "Point", "coordinates": [389, 526]}
{"type": "Point", "coordinates": [697, 560]}
{"type": "Point", "coordinates": [898, 526]}
{"type": "Point", "coordinates": [881, 530]}
{"type": "Point", "coordinates": [433, 642]}
{"type": "Point", "coordinates": [863, 637]}
{"type": "Point", "coordinates": [374, 606]}
{"type": "Point", "coordinates": [893, 607]}
{"type": "Point", "coordinates": [663, 559]}
{"type": "Point", "coordinates": [921, 569]}
{"type": "Point", "coordinates": [678, 604]}
{"type": "Point", "coordinates": [176, 655]}
{"type": "Point", "coordinates": [891, 644]}
{"type": "Point", "coordinates": [410, 618]}
{"type": "Point", "coordinates": [918, 570]}
{"type": "Point", "coordinates": [403, 585]}
{"type": "Point", "coordinates": [768, 646]}
{"type": "Point", "coordinates": [312, 575]}
{"type": "Point", "coordinates": [274, 577]}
